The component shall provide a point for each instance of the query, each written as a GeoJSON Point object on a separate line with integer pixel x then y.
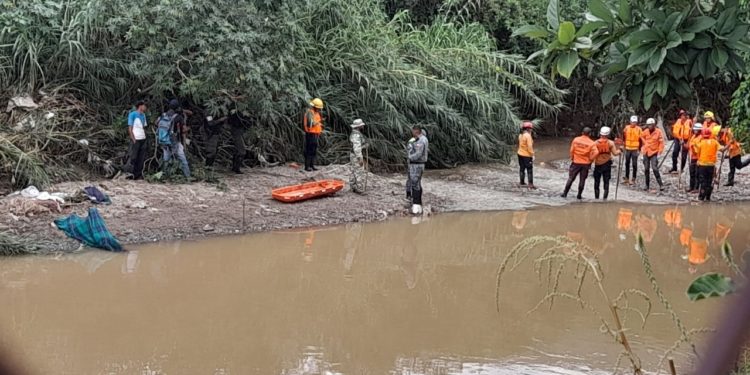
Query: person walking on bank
{"type": "Point", "coordinates": [313, 126]}
{"type": "Point", "coordinates": [136, 125]}
{"type": "Point", "coordinates": [526, 154]}
{"type": "Point", "coordinates": [693, 148]}
{"type": "Point", "coordinates": [356, 160]}
{"type": "Point", "coordinates": [653, 145]}
{"type": "Point", "coordinates": [583, 151]}
{"type": "Point", "coordinates": [707, 150]}
{"type": "Point", "coordinates": [734, 148]}
{"type": "Point", "coordinates": [418, 154]}
{"type": "Point", "coordinates": [681, 133]}
{"type": "Point", "coordinates": [172, 133]}
{"type": "Point", "coordinates": [632, 134]}
{"type": "Point", "coordinates": [603, 163]}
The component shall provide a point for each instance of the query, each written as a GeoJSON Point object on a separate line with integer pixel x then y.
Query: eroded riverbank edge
{"type": "Point", "coordinates": [144, 212]}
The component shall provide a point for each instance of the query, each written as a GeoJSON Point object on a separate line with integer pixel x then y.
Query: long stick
{"type": "Point", "coordinates": [619, 174]}
{"type": "Point", "coordinates": [717, 180]}
{"type": "Point", "coordinates": [666, 155]}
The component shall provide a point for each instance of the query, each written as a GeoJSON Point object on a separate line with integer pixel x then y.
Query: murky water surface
{"type": "Point", "coordinates": [389, 298]}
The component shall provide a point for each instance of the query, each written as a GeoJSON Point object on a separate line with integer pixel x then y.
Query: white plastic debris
{"type": "Point", "coordinates": [83, 142]}
{"type": "Point", "coordinates": [23, 102]}
{"type": "Point", "coordinates": [49, 115]}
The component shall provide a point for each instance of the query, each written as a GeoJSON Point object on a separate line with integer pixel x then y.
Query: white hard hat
{"type": "Point", "coordinates": [605, 130]}
{"type": "Point", "coordinates": [650, 121]}
{"type": "Point", "coordinates": [634, 119]}
{"type": "Point", "coordinates": [697, 126]}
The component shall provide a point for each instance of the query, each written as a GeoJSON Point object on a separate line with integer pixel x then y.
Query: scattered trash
{"type": "Point", "coordinates": [49, 115]}
{"type": "Point", "coordinates": [32, 192]}
{"type": "Point", "coordinates": [91, 231]}
{"type": "Point", "coordinates": [208, 228]}
{"type": "Point", "coordinates": [83, 142]}
{"type": "Point", "coordinates": [23, 102]}
{"type": "Point", "coordinates": [138, 204]}
{"type": "Point", "coordinates": [96, 195]}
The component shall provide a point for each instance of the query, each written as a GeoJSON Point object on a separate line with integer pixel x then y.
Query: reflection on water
{"type": "Point", "coordinates": [401, 297]}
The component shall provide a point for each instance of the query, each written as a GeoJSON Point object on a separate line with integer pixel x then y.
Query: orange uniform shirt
{"type": "Point", "coordinates": [525, 145]}
{"type": "Point", "coordinates": [682, 129]}
{"type": "Point", "coordinates": [606, 149]}
{"type": "Point", "coordinates": [583, 150]}
{"type": "Point", "coordinates": [707, 152]}
{"type": "Point", "coordinates": [313, 122]}
{"type": "Point", "coordinates": [727, 139]}
{"type": "Point", "coordinates": [653, 142]}
{"type": "Point", "coordinates": [693, 146]}
{"type": "Point", "coordinates": [633, 137]}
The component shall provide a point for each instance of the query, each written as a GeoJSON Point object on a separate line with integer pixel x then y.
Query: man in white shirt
{"type": "Point", "coordinates": [136, 125]}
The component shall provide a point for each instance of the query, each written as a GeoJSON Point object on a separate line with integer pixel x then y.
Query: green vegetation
{"type": "Point", "coordinates": [267, 59]}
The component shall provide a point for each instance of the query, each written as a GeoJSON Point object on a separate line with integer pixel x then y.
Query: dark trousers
{"type": "Point", "coordinates": [602, 172]}
{"type": "Point", "coordinates": [693, 175]}
{"type": "Point", "coordinates": [311, 149]}
{"type": "Point", "coordinates": [652, 163]}
{"type": "Point", "coordinates": [238, 139]}
{"type": "Point", "coordinates": [137, 157]}
{"type": "Point", "coordinates": [706, 182]}
{"type": "Point", "coordinates": [582, 172]}
{"type": "Point", "coordinates": [212, 148]}
{"type": "Point", "coordinates": [736, 163]}
{"type": "Point", "coordinates": [526, 165]}
{"type": "Point", "coordinates": [631, 156]}
{"type": "Point", "coordinates": [679, 150]}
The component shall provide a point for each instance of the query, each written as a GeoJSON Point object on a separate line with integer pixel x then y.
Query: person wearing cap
{"type": "Point", "coordinates": [603, 161]}
{"type": "Point", "coordinates": [172, 136]}
{"type": "Point", "coordinates": [693, 148]}
{"type": "Point", "coordinates": [526, 154]}
{"type": "Point", "coordinates": [137, 152]}
{"type": "Point", "coordinates": [681, 132]}
{"type": "Point", "coordinates": [356, 160]}
{"type": "Point", "coordinates": [583, 151]}
{"type": "Point", "coordinates": [632, 134]}
{"type": "Point", "coordinates": [707, 150]}
{"type": "Point", "coordinates": [313, 126]}
{"type": "Point", "coordinates": [709, 122]}
{"type": "Point", "coordinates": [653, 145]}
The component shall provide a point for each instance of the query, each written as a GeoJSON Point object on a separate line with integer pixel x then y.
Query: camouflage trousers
{"type": "Point", "coordinates": [414, 183]}
{"type": "Point", "coordinates": [358, 176]}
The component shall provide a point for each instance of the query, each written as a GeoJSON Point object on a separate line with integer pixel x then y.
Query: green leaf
{"type": "Point", "coordinates": [640, 37]}
{"type": "Point", "coordinates": [657, 59]}
{"type": "Point", "coordinates": [590, 26]}
{"type": "Point", "coordinates": [601, 11]}
{"type": "Point", "coordinates": [677, 56]}
{"type": "Point", "coordinates": [710, 285]}
{"type": "Point", "coordinates": [673, 40]}
{"type": "Point", "coordinates": [640, 55]}
{"type": "Point", "coordinates": [650, 86]}
{"type": "Point", "coordinates": [647, 100]}
{"type": "Point", "coordinates": [674, 70]}
{"type": "Point", "coordinates": [662, 85]}
{"type": "Point", "coordinates": [610, 90]}
{"type": "Point", "coordinates": [698, 24]}
{"type": "Point", "coordinates": [686, 37]}
{"type": "Point", "coordinates": [567, 62]}
{"type": "Point", "coordinates": [739, 46]}
{"type": "Point", "coordinates": [701, 41]}
{"type": "Point", "coordinates": [682, 89]}
{"type": "Point", "coordinates": [583, 43]}
{"type": "Point", "coordinates": [567, 33]}
{"type": "Point", "coordinates": [553, 14]}
{"type": "Point", "coordinates": [656, 15]}
{"type": "Point", "coordinates": [719, 57]}
{"type": "Point", "coordinates": [531, 31]}
{"type": "Point", "coordinates": [635, 94]}
{"type": "Point", "coordinates": [536, 54]}
{"type": "Point", "coordinates": [739, 33]}
{"type": "Point", "coordinates": [671, 23]}
{"type": "Point", "coordinates": [624, 12]}
{"type": "Point", "coordinates": [726, 21]}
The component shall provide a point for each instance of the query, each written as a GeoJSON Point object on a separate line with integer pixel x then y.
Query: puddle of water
{"type": "Point", "coordinates": [388, 298]}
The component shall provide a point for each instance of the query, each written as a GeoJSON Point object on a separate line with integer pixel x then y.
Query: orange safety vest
{"type": "Point", "coordinates": [707, 152]}
{"type": "Point", "coordinates": [727, 138]}
{"type": "Point", "coordinates": [525, 145]}
{"type": "Point", "coordinates": [698, 250]}
{"type": "Point", "coordinates": [604, 147]}
{"type": "Point", "coordinates": [313, 122]}
{"type": "Point", "coordinates": [682, 129]}
{"type": "Point", "coordinates": [653, 142]}
{"type": "Point", "coordinates": [694, 142]}
{"type": "Point", "coordinates": [633, 137]}
{"type": "Point", "coordinates": [624, 219]}
{"type": "Point", "coordinates": [582, 150]}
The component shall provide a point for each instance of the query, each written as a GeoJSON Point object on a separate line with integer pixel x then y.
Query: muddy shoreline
{"type": "Point", "coordinates": [141, 212]}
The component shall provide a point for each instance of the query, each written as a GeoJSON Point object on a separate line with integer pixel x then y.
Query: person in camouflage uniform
{"type": "Point", "coordinates": [356, 160]}
{"type": "Point", "coordinates": [418, 151]}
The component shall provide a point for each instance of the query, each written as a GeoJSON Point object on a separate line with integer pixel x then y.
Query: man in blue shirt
{"type": "Point", "coordinates": [137, 133]}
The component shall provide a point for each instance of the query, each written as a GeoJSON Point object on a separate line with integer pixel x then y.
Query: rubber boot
{"type": "Point", "coordinates": [606, 193]}
{"type": "Point", "coordinates": [307, 164]}
{"type": "Point", "coordinates": [312, 163]}
{"type": "Point", "coordinates": [417, 197]}
{"type": "Point", "coordinates": [531, 179]}
{"type": "Point", "coordinates": [596, 192]}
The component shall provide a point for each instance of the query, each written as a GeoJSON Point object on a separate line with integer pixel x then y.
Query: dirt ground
{"type": "Point", "coordinates": [144, 212]}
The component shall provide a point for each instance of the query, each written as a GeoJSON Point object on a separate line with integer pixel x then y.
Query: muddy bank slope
{"type": "Point", "coordinates": [143, 212]}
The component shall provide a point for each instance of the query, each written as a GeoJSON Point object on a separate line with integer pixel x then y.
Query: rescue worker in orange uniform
{"type": "Point", "coordinates": [313, 126]}
{"type": "Point", "coordinates": [682, 129]}
{"type": "Point", "coordinates": [583, 151]}
{"type": "Point", "coordinates": [709, 122]}
{"type": "Point", "coordinates": [734, 148]}
{"type": "Point", "coordinates": [692, 148]}
{"type": "Point", "coordinates": [632, 134]}
{"type": "Point", "coordinates": [603, 162]}
{"type": "Point", "coordinates": [707, 150]}
{"type": "Point", "coordinates": [526, 154]}
{"type": "Point", "coordinates": [653, 145]}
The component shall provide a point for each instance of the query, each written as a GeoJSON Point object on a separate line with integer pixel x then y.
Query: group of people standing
{"type": "Point", "coordinates": [704, 144]}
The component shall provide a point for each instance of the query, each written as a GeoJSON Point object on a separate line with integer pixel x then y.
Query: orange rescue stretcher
{"type": "Point", "coordinates": [310, 190]}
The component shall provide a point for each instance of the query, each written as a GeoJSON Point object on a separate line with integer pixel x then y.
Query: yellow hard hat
{"type": "Point", "coordinates": [708, 114]}
{"type": "Point", "coordinates": [317, 103]}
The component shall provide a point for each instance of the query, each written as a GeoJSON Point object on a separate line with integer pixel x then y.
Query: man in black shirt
{"type": "Point", "coordinates": [213, 133]}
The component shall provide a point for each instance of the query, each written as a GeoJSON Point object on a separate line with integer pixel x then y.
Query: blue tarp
{"type": "Point", "coordinates": [91, 231]}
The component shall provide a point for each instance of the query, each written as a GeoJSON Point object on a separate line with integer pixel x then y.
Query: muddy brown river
{"type": "Point", "coordinates": [398, 297]}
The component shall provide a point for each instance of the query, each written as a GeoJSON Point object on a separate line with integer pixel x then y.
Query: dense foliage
{"type": "Point", "coordinates": [268, 59]}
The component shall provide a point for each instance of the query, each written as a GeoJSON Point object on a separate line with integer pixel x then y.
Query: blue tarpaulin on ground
{"type": "Point", "coordinates": [91, 231]}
